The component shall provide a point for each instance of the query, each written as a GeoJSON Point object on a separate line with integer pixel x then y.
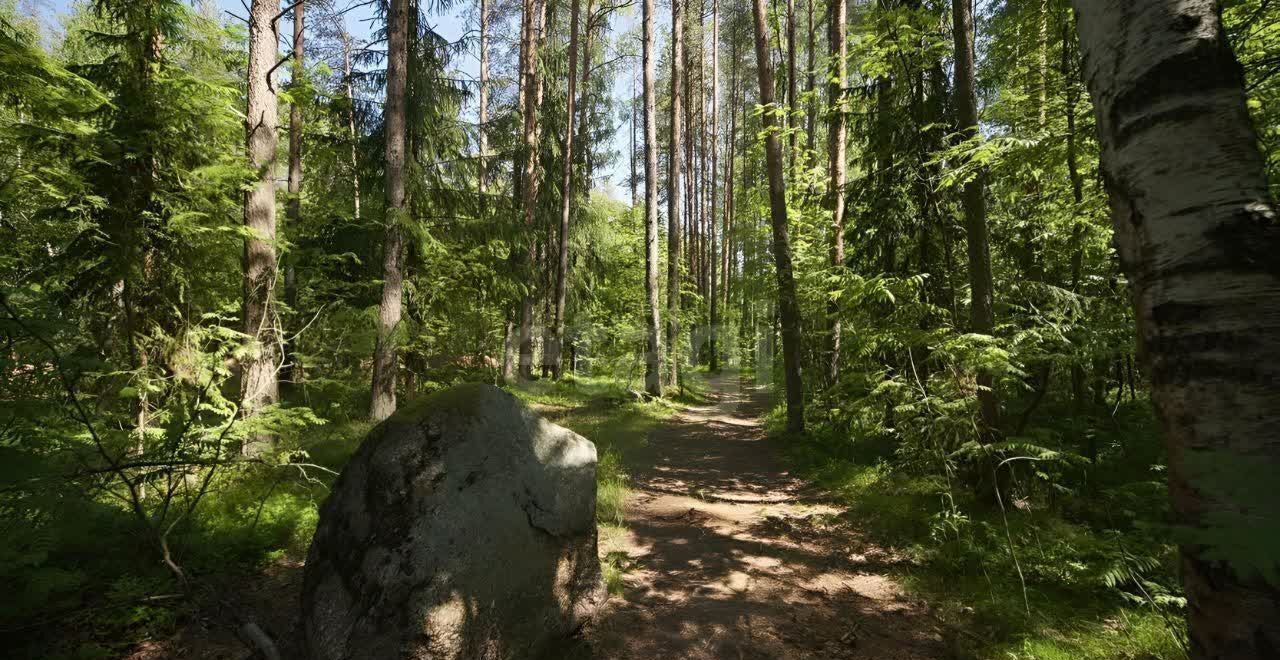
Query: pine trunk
{"type": "Point", "coordinates": [713, 261]}
{"type": "Point", "coordinates": [483, 102]}
{"type": "Point", "coordinates": [836, 134]}
{"type": "Point", "coordinates": [981, 318]}
{"type": "Point", "coordinates": [385, 356]}
{"type": "Point", "coordinates": [258, 385]}
{"type": "Point", "coordinates": [554, 346]}
{"type": "Point", "coordinates": [788, 306]}
{"type": "Point", "coordinates": [792, 87]}
{"type": "Point", "coordinates": [653, 341]}
{"type": "Point", "coordinates": [811, 112]}
{"type": "Point", "coordinates": [674, 166]}
{"type": "Point", "coordinates": [351, 124]}
{"type": "Point", "coordinates": [291, 370]}
{"type": "Point", "coordinates": [532, 21]}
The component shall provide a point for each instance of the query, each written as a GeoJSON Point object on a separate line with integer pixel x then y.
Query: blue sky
{"type": "Point", "coordinates": [451, 24]}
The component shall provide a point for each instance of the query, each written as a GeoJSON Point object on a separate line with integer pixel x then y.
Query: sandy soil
{"type": "Point", "coordinates": [730, 557]}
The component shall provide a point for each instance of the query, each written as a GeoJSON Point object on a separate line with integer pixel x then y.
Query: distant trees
{"type": "Point", "coordinates": [145, 277]}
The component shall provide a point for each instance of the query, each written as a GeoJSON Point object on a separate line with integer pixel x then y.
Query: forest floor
{"type": "Point", "coordinates": [723, 553]}
{"type": "Point", "coordinates": [727, 555]}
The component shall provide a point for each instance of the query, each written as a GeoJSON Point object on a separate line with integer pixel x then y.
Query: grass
{"type": "Point", "coordinates": [955, 559]}
{"type": "Point", "coordinates": [602, 410]}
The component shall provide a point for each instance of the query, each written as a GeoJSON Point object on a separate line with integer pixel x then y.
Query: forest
{"type": "Point", "coordinates": [1001, 266]}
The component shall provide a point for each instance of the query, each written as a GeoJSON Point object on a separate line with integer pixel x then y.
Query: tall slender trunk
{"type": "Point", "coordinates": [884, 165]}
{"type": "Point", "coordinates": [385, 355]}
{"type": "Point", "coordinates": [510, 339]}
{"type": "Point", "coordinates": [291, 370]}
{"type": "Point", "coordinates": [674, 166]}
{"type": "Point", "coordinates": [531, 27]}
{"type": "Point", "coordinates": [811, 113]}
{"type": "Point", "coordinates": [703, 187]}
{"type": "Point", "coordinates": [653, 325]}
{"type": "Point", "coordinates": [713, 262]}
{"type": "Point", "coordinates": [837, 128]}
{"type": "Point", "coordinates": [635, 180]}
{"type": "Point", "coordinates": [553, 359]}
{"type": "Point", "coordinates": [1042, 53]}
{"type": "Point", "coordinates": [792, 87]}
{"type": "Point", "coordinates": [258, 385]}
{"type": "Point", "coordinates": [697, 148]}
{"type": "Point", "coordinates": [584, 103]}
{"type": "Point", "coordinates": [1070, 82]}
{"type": "Point", "coordinates": [689, 225]}
{"type": "Point", "coordinates": [981, 319]}
{"type": "Point", "coordinates": [787, 303]}
{"type": "Point", "coordinates": [726, 236]}
{"type": "Point", "coordinates": [351, 123]}
{"type": "Point", "coordinates": [543, 263]}
{"type": "Point", "coordinates": [483, 101]}
{"type": "Point", "coordinates": [1196, 233]}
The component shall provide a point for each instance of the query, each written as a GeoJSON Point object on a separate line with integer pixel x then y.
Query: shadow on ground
{"type": "Point", "coordinates": [729, 556]}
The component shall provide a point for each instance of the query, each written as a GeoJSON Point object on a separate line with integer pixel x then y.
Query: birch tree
{"type": "Point", "coordinates": [1197, 236]}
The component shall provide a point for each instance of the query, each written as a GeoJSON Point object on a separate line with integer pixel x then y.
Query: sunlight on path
{"type": "Point", "coordinates": [727, 555]}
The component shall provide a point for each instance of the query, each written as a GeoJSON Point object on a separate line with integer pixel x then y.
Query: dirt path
{"type": "Point", "coordinates": [729, 557]}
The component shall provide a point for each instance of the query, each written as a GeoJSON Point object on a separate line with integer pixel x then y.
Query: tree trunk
{"type": "Point", "coordinates": [553, 348]}
{"type": "Point", "coordinates": [787, 303]}
{"type": "Point", "coordinates": [729, 207]}
{"type": "Point", "coordinates": [792, 101]}
{"type": "Point", "coordinates": [291, 370]}
{"type": "Point", "coordinates": [1196, 233]}
{"type": "Point", "coordinates": [351, 124]}
{"type": "Point", "coordinates": [674, 167]}
{"type": "Point", "coordinates": [258, 385]}
{"type": "Point", "coordinates": [975, 208]}
{"type": "Point", "coordinates": [653, 344]}
{"type": "Point", "coordinates": [531, 26]}
{"type": "Point", "coordinates": [811, 113]}
{"type": "Point", "coordinates": [727, 245]}
{"type": "Point", "coordinates": [385, 355]}
{"type": "Point", "coordinates": [688, 247]}
{"type": "Point", "coordinates": [509, 348]}
{"type": "Point", "coordinates": [1069, 71]}
{"type": "Point", "coordinates": [713, 261]}
{"type": "Point", "coordinates": [635, 179]}
{"type": "Point", "coordinates": [837, 127]}
{"type": "Point", "coordinates": [584, 103]}
{"type": "Point", "coordinates": [483, 128]}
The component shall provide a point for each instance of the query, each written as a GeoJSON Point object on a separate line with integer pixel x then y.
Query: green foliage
{"type": "Point", "coordinates": [122, 173]}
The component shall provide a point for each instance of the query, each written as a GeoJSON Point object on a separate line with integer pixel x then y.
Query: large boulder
{"type": "Point", "coordinates": [463, 528]}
